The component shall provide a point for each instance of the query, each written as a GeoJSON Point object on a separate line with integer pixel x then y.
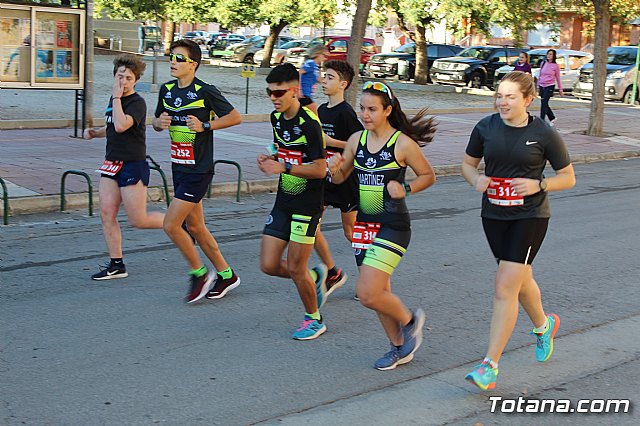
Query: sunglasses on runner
{"type": "Point", "coordinates": [380, 87]}
{"type": "Point", "coordinates": [278, 93]}
{"type": "Point", "coordinates": [179, 58]}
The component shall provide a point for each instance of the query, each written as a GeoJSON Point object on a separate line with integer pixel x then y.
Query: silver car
{"type": "Point", "coordinates": [570, 62]}
{"type": "Point", "coordinates": [621, 71]}
{"type": "Point", "coordinates": [279, 54]}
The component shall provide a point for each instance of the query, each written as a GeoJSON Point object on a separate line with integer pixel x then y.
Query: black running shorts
{"type": "Point", "coordinates": [191, 187]}
{"type": "Point", "coordinates": [515, 240]}
{"type": "Point", "coordinates": [131, 173]}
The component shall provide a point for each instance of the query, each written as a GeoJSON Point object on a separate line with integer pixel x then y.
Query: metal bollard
{"type": "Point", "coordinates": [5, 198]}
{"type": "Point", "coordinates": [237, 166]}
{"type": "Point", "coordinates": [111, 37]}
{"type": "Point", "coordinates": [76, 172]}
{"type": "Point", "coordinates": [156, 166]}
{"type": "Point", "coordinates": [119, 40]}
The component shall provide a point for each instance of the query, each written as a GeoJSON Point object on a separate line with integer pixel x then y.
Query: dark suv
{"type": "Point", "coordinates": [475, 66]}
{"type": "Point", "coordinates": [401, 63]}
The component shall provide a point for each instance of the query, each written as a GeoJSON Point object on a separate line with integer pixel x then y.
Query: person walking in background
{"type": "Point", "coordinates": [310, 76]}
{"type": "Point", "coordinates": [125, 171]}
{"type": "Point", "coordinates": [142, 35]}
{"type": "Point", "coordinates": [515, 212]}
{"type": "Point", "coordinates": [547, 79]}
{"type": "Point", "coordinates": [523, 63]}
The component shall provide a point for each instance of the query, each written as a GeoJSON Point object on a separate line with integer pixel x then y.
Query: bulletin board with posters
{"type": "Point", "coordinates": [41, 47]}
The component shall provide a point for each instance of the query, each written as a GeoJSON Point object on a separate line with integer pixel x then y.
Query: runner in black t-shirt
{"type": "Point", "coordinates": [379, 157]}
{"type": "Point", "coordinates": [515, 211]}
{"type": "Point", "coordinates": [296, 214]}
{"type": "Point", "coordinates": [339, 122]}
{"type": "Point", "coordinates": [186, 107]}
{"type": "Point", "coordinates": [125, 171]}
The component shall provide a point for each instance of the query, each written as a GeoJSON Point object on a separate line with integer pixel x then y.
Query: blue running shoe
{"type": "Point", "coordinates": [412, 334]}
{"type": "Point", "coordinates": [483, 376]}
{"type": "Point", "coordinates": [391, 360]}
{"type": "Point", "coordinates": [544, 341]}
{"type": "Point", "coordinates": [309, 329]}
{"type": "Point", "coordinates": [321, 283]}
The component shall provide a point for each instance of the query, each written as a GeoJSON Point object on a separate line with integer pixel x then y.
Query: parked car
{"type": "Point", "coordinates": [229, 37]}
{"type": "Point", "coordinates": [569, 61]}
{"type": "Point", "coordinates": [401, 63]}
{"type": "Point", "coordinates": [245, 52]}
{"type": "Point", "coordinates": [199, 36]}
{"type": "Point", "coordinates": [152, 38]}
{"type": "Point", "coordinates": [621, 71]}
{"type": "Point", "coordinates": [475, 66]}
{"type": "Point", "coordinates": [279, 54]}
{"type": "Point", "coordinates": [225, 48]}
{"type": "Point", "coordinates": [337, 48]}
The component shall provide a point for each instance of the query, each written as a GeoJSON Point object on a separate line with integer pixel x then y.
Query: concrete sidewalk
{"type": "Point", "coordinates": [32, 161]}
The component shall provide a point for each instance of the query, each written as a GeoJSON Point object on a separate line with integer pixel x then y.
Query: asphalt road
{"type": "Point", "coordinates": [73, 351]}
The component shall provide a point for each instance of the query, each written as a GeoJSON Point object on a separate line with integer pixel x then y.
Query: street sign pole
{"type": "Point", "coordinates": [248, 71]}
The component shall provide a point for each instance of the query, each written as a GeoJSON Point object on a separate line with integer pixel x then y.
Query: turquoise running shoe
{"type": "Point", "coordinates": [391, 360]}
{"type": "Point", "coordinates": [483, 376]}
{"type": "Point", "coordinates": [309, 329]}
{"type": "Point", "coordinates": [321, 283]}
{"type": "Point", "coordinates": [544, 341]}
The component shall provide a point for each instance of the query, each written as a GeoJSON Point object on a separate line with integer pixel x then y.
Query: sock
{"type": "Point", "coordinates": [314, 275]}
{"type": "Point", "coordinates": [333, 271]}
{"type": "Point", "coordinates": [410, 323]}
{"type": "Point", "coordinates": [397, 347]}
{"type": "Point", "coordinates": [543, 328]}
{"type": "Point", "coordinates": [198, 272]}
{"type": "Point", "coordinates": [492, 364]}
{"type": "Point", "coordinates": [315, 315]}
{"type": "Point", "coordinates": [116, 261]}
{"type": "Point", "coordinates": [226, 274]}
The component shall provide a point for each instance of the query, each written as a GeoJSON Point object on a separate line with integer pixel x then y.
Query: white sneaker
{"type": "Point", "coordinates": [552, 123]}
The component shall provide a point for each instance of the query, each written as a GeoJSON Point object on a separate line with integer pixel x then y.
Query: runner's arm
{"type": "Point", "coordinates": [231, 119]}
{"type": "Point", "coordinates": [334, 143]}
{"type": "Point", "coordinates": [121, 121]}
{"type": "Point", "coordinates": [410, 154]}
{"type": "Point", "coordinates": [471, 174]}
{"type": "Point", "coordinates": [344, 168]}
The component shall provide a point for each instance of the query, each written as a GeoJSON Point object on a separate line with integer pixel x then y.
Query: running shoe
{"type": "Point", "coordinates": [309, 329]}
{"type": "Point", "coordinates": [412, 334]}
{"type": "Point", "coordinates": [355, 297]}
{"type": "Point", "coordinates": [483, 376]}
{"type": "Point", "coordinates": [336, 281]}
{"type": "Point", "coordinates": [199, 287]}
{"type": "Point", "coordinates": [109, 271]}
{"type": "Point", "coordinates": [221, 287]}
{"type": "Point", "coordinates": [321, 283]}
{"type": "Point", "coordinates": [391, 360]}
{"type": "Point", "coordinates": [544, 341]}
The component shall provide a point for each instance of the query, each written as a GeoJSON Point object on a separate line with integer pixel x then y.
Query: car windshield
{"type": "Point", "coordinates": [406, 48]}
{"type": "Point", "coordinates": [294, 43]}
{"type": "Point", "coordinates": [621, 56]}
{"type": "Point", "coordinates": [475, 52]}
{"type": "Point", "coordinates": [535, 59]}
{"type": "Point", "coordinates": [190, 34]}
{"type": "Point", "coordinates": [253, 39]}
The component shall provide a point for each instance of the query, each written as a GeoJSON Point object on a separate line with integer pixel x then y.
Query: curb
{"type": "Point", "coordinates": [80, 200]}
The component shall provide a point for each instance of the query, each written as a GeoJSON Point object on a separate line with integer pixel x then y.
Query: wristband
{"type": "Point", "coordinates": [407, 188]}
{"type": "Point", "coordinates": [117, 97]}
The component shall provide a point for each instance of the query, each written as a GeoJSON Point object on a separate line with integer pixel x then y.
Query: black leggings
{"type": "Point", "coordinates": [545, 110]}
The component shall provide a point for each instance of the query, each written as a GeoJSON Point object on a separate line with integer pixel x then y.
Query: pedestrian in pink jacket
{"type": "Point", "coordinates": [549, 76]}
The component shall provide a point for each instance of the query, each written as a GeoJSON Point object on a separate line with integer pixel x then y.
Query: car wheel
{"type": "Point", "coordinates": [627, 96]}
{"type": "Point", "coordinates": [248, 59]}
{"type": "Point", "coordinates": [476, 81]}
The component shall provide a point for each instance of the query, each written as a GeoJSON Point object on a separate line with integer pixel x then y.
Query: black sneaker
{"type": "Point", "coordinates": [221, 287]}
{"type": "Point", "coordinates": [109, 272]}
{"type": "Point", "coordinates": [336, 281]}
{"type": "Point", "coordinates": [199, 287]}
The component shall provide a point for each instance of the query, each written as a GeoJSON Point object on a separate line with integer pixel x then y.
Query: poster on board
{"type": "Point", "coordinates": [44, 63]}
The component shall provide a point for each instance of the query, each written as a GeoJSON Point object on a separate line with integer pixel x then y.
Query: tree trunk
{"type": "Point", "coordinates": [603, 23]}
{"type": "Point", "coordinates": [422, 62]}
{"type": "Point", "coordinates": [274, 32]}
{"type": "Point", "coordinates": [354, 49]}
{"type": "Point", "coordinates": [170, 29]}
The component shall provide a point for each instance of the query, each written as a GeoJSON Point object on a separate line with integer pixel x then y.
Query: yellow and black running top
{"type": "Point", "coordinates": [202, 100]}
{"type": "Point", "coordinates": [299, 141]}
{"type": "Point", "coordinates": [374, 171]}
